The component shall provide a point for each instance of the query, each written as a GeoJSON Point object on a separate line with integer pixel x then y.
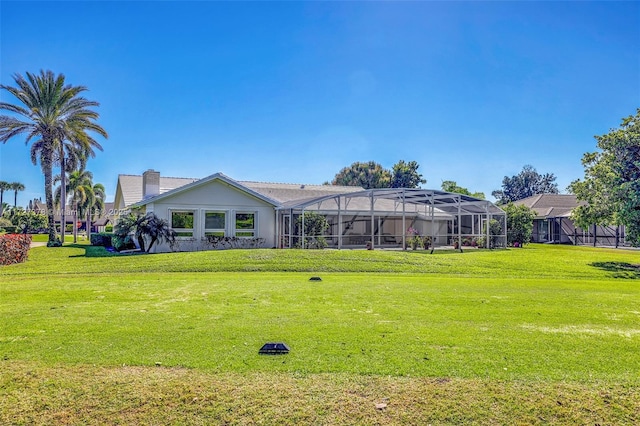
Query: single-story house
{"type": "Point", "coordinates": [99, 221]}
{"type": "Point", "coordinates": [218, 212]}
{"type": "Point", "coordinates": [553, 223]}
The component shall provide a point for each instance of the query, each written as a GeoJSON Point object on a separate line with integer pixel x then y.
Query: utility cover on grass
{"type": "Point", "coordinates": [274, 348]}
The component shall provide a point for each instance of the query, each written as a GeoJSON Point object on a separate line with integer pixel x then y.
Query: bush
{"type": "Point", "coordinates": [122, 243]}
{"type": "Point", "coordinates": [101, 239]}
{"type": "Point", "coordinates": [108, 228]}
{"type": "Point", "coordinates": [10, 229]}
{"type": "Point", "coordinates": [14, 248]}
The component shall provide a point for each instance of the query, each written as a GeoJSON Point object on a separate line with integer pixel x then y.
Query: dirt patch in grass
{"type": "Point", "coordinates": [66, 395]}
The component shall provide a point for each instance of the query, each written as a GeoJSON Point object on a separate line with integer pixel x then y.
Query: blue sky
{"type": "Point", "coordinates": [294, 91]}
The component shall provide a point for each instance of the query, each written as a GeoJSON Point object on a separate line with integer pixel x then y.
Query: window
{"type": "Point", "coordinates": [245, 225]}
{"type": "Point", "coordinates": [182, 223]}
{"type": "Point", "coordinates": [214, 224]}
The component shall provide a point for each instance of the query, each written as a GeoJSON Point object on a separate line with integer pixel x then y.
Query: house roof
{"type": "Point", "coordinates": [287, 192]}
{"type": "Point", "coordinates": [217, 176]}
{"type": "Point", "coordinates": [130, 186]}
{"type": "Point", "coordinates": [551, 205]}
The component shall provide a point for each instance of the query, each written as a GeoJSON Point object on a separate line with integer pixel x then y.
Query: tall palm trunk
{"type": "Point", "coordinates": [75, 222]}
{"type": "Point", "coordinates": [88, 225]}
{"type": "Point", "coordinates": [47, 169]}
{"type": "Point", "coordinates": [63, 197]}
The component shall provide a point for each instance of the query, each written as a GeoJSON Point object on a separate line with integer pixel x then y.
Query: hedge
{"type": "Point", "coordinates": [14, 248]}
{"type": "Point", "coordinates": [101, 239]}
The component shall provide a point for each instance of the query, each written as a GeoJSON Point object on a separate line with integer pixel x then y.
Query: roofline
{"type": "Point", "coordinates": [216, 176]}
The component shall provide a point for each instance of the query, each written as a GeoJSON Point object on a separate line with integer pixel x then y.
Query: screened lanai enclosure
{"type": "Point", "coordinates": [393, 218]}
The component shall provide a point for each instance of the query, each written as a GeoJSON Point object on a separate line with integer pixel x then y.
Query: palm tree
{"type": "Point", "coordinates": [69, 158]}
{"type": "Point", "coordinates": [15, 187]}
{"type": "Point", "coordinates": [54, 117]}
{"type": "Point", "coordinates": [94, 202]}
{"type": "Point", "coordinates": [4, 186]}
{"type": "Point", "coordinates": [76, 189]}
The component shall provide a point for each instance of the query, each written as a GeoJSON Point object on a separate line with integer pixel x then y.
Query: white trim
{"type": "Point", "coordinates": [193, 230]}
{"type": "Point", "coordinates": [225, 229]}
{"type": "Point", "coordinates": [254, 230]}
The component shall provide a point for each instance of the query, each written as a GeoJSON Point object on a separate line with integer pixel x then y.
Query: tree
{"type": "Point", "coordinates": [367, 175]}
{"type": "Point", "coordinates": [452, 186]}
{"type": "Point", "coordinates": [611, 185]}
{"type": "Point", "coordinates": [95, 196]}
{"type": "Point", "coordinates": [141, 226]}
{"type": "Point", "coordinates": [519, 223]}
{"type": "Point", "coordinates": [525, 184]}
{"type": "Point", "coordinates": [77, 188]}
{"type": "Point", "coordinates": [372, 175]}
{"type": "Point", "coordinates": [28, 220]}
{"type": "Point", "coordinates": [4, 186]}
{"type": "Point", "coordinates": [50, 114]}
{"type": "Point", "coordinates": [15, 187]}
{"type": "Point", "coordinates": [405, 175]}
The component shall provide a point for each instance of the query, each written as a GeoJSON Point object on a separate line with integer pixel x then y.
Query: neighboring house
{"type": "Point", "coordinates": [204, 212]}
{"type": "Point", "coordinates": [98, 222]}
{"type": "Point", "coordinates": [553, 223]}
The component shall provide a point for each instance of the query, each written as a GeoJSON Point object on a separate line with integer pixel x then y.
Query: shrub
{"type": "Point", "coordinates": [101, 239]}
{"type": "Point", "coordinates": [14, 248]}
{"type": "Point", "coordinates": [108, 228]}
{"type": "Point", "coordinates": [56, 243]}
{"type": "Point", "coordinates": [10, 229]}
{"type": "Point", "coordinates": [122, 243]}
{"type": "Point", "coordinates": [519, 224]}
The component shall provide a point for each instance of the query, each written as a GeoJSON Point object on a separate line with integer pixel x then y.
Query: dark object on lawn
{"type": "Point", "coordinates": [315, 279]}
{"type": "Point", "coordinates": [278, 348]}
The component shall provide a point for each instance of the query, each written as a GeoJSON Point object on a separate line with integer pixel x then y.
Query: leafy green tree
{"type": "Point", "coordinates": [367, 175]}
{"type": "Point", "coordinates": [611, 185]}
{"type": "Point", "coordinates": [519, 223]}
{"type": "Point", "coordinates": [525, 184]}
{"type": "Point", "coordinates": [50, 114]}
{"type": "Point", "coordinates": [15, 187]}
{"type": "Point", "coordinates": [28, 220]}
{"type": "Point", "coordinates": [4, 186]}
{"type": "Point", "coordinates": [452, 186]}
{"type": "Point", "coordinates": [314, 227]}
{"type": "Point", "coordinates": [405, 175]}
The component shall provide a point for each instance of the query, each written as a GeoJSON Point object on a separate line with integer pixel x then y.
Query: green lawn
{"type": "Point", "coordinates": [540, 335]}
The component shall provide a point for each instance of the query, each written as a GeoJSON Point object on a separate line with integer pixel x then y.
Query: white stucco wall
{"type": "Point", "coordinates": [220, 197]}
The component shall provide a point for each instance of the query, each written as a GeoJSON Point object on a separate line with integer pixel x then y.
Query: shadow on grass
{"type": "Point", "coordinates": [619, 269]}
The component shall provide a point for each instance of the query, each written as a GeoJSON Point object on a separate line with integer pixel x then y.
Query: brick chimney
{"type": "Point", "coordinates": [150, 184]}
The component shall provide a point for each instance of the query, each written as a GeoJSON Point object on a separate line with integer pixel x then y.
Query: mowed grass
{"type": "Point", "coordinates": [540, 335]}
